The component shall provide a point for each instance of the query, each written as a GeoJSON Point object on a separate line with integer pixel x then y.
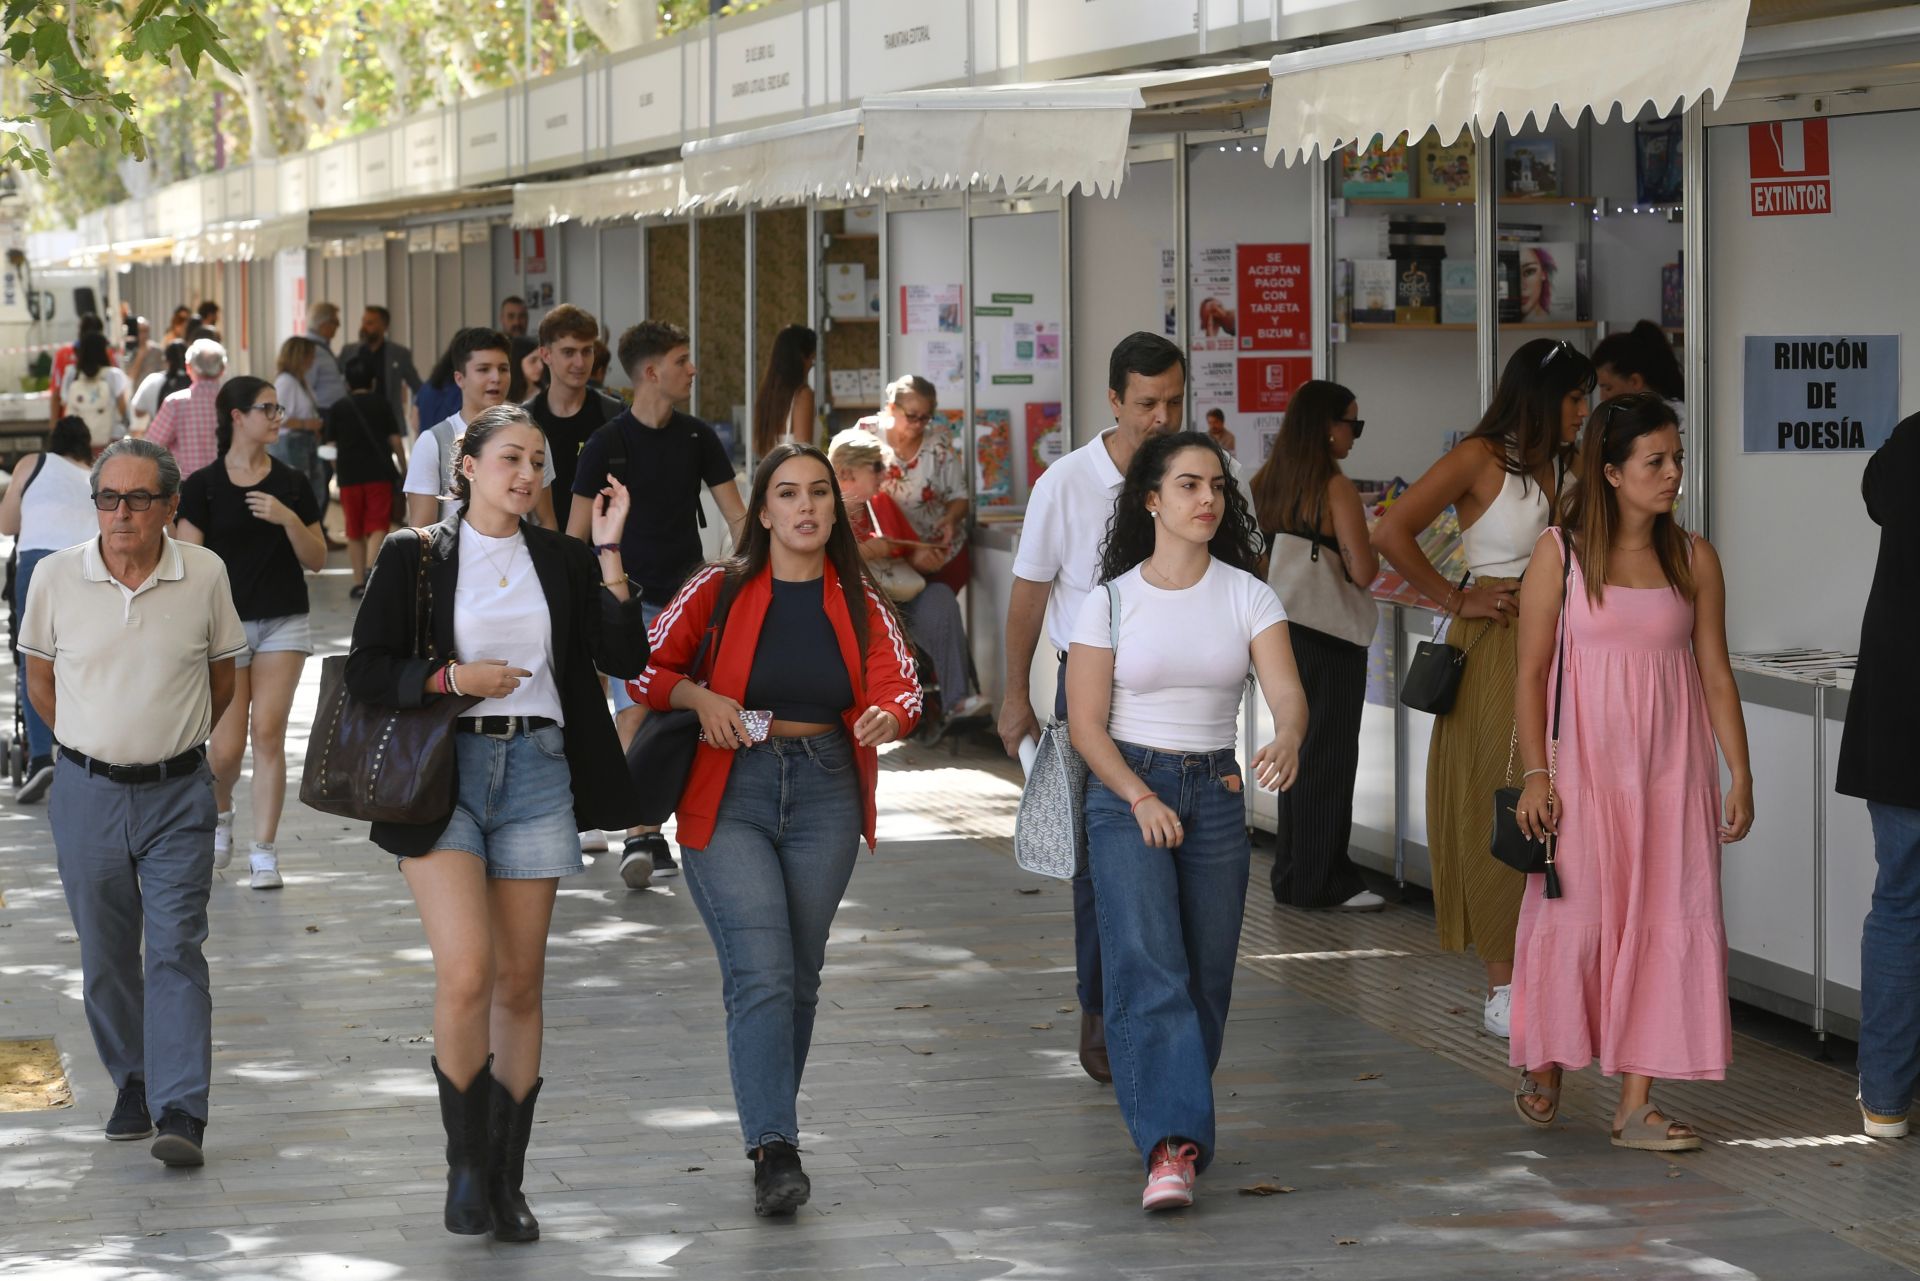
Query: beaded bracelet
{"type": "Point", "coordinates": [453, 686]}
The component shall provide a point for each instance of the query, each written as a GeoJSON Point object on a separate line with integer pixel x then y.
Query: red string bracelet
{"type": "Point", "coordinates": [1135, 807]}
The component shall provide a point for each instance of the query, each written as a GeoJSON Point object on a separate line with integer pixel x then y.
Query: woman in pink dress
{"type": "Point", "coordinates": [1630, 965]}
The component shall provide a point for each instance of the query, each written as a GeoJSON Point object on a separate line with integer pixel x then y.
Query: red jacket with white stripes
{"type": "Point", "coordinates": [883, 677]}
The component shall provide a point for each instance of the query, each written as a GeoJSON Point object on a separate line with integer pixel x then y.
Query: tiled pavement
{"type": "Point", "coordinates": [949, 1131]}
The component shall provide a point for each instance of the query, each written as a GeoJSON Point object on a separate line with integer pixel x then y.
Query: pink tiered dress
{"type": "Point", "coordinates": [1630, 965]}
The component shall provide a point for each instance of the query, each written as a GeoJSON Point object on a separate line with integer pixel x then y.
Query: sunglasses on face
{"type": "Point", "coordinates": [274, 413]}
{"type": "Point", "coordinates": [1356, 425]}
{"type": "Point", "coordinates": [137, 500]}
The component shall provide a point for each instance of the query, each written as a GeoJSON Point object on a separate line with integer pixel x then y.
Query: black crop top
{"type": "Point", "coordinates": [798, 673]}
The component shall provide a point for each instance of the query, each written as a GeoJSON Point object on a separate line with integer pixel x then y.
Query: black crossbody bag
{"type": "Point", "coordinates": [661, 754]}
{"type": "Point", "coordinates": [1510, 844]}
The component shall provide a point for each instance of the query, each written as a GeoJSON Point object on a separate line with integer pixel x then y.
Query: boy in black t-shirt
{"type": "Point", "coordinates": [568, 409]}
{"type": "Point", "coordinates": [663, 457]}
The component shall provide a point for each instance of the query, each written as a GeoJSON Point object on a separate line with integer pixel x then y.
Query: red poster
{"type": "Point", "coordinates": [1267, 382]}
{"type": "Point", "coordinates": [530, 251]}
{"type": "Point", "coordinates": [1275, 296]}
{"type": "Point", "coordinates": [1791, 174]}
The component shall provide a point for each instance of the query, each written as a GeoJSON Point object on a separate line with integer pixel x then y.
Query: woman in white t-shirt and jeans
{"type": "Point", "coordinates": [1156, 720]}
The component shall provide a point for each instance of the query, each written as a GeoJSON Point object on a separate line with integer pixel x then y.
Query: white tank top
{"type": "Point", "coordinates": [57, 510]}
{"type": "Point", "coordinates": [1501, 542]}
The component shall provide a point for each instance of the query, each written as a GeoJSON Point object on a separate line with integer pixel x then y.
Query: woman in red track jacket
{"type": "Point", "coordinates": [772, 827]}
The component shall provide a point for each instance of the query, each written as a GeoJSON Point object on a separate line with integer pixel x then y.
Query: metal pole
{"type": "Point", "coordinates": [1697, 498]}
{"type": "Point", "coordinates": [751, 345]}
{"type": "Point", "coordinates": [693, 297]}
{"type": "Point", "coordinates": [1401, 729]}
{"type": "Point", "coordinates": [1486, 253]}
{"type": "Point", "coordinates": [1182, 248]}
{"type": "Point", "coordinates": [886, 293]}
{"type": "Point", "coordinates": [1820, 861]}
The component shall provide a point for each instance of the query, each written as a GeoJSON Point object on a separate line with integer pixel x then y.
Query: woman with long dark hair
{"type": "Point", "coordinates": [783, 407]}
{"type": "Point", "coordinates": [524, 618]}
{"type": "Point", "coordinates": [1303, 500]}
{"type": "Point", "coordinates": [232, 507]}
{"type": "Point", "coordinates": [1155, 676]}
{"type": "Point", "coordinates": [528, 370]}
{"type": "Point", "coordinates": [1630, 965]}
{"type": "Point", "coordinates": [157, 386]}
{"type": "Point", "coordinates": [1504, 481]}
{"type": "Point", "coordinates": [782, 787]}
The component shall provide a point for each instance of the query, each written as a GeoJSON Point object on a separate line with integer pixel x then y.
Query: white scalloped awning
{"type": "Point", "coordinates": [1576, 55]}
{"type": "Point", "coordinates": [1033, 137]}
{"type": "Point", "coordinates": [794, 161]}
{"type": "Point", "coordinates": [245, 240]}
{"type": "Point", "coordinates": [607, 197]}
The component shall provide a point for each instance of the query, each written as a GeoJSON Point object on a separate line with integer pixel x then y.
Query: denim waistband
{"type": "Point", "coordinates": [812, 745]}
{"type": "Point", "coordinates": [1217, 762]}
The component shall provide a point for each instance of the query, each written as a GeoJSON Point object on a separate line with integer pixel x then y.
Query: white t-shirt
{"type": "Point", "coordinates": [146, 401]}
{"type": "Point", "coordinates": [1060, 539]}
{"type": "Point", "coordinates": [96, 400]}
{"type": "Point", "coordinates": [1183, 658]}
{"type": "Point", "coordinates": [295, 398]}
{"type": "Point", "coordinates": [511, 623]}
{"type": "Point", "coordinates": [430, 470]}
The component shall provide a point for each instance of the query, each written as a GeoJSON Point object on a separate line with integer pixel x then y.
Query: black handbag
{"type": "Point", "coordinates": [661, 754]}
{"type": "Point", "coordinates": [384, 764]}
{"type": "Point", "coordinates": [1510, 845]}
{"type": "Point", "coordinates": [1432, 682]}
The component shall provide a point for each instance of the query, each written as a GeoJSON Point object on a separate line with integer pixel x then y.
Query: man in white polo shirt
{"type": "Point", "coordinates": [1057, 565]}
{"type": "Point", "coordinates": [130, 640]}
{"type": "Point", "coordinates": [482, 368]}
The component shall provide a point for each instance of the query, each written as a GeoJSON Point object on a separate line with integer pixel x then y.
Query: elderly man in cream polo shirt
{"type": "Point", "coordinates": [130, 640]}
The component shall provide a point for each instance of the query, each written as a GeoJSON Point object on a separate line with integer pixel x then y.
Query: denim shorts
{"type": "Point", "coordinates": [289, 634]}
{"type": "Point", "coordinates": [514, 811]}
{"type": "Point", "coordinates": [617, 687]}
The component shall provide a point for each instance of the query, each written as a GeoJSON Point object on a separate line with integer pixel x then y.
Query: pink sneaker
{"type": "Point", "coordinates": [1170, 1176]}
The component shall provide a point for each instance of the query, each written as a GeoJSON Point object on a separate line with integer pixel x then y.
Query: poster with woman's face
{"type": "Point", "coordinates": [1548, 289]}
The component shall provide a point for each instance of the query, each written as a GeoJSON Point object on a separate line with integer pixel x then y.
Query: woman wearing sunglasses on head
{"type": "Point", "coordinates": [1504, 482]}
{"type": "Point", "coordinates": [260, 516]}
{"type": "Point", "coordinates": [776, 802]}
{"type": "Point", "coordinates": [1630, 965]}
{"type": "Point", "coordinates": [1321, 565]}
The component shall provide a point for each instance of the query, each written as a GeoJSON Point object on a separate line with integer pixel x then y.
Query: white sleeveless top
{"type": "Point", "coordinates": [1501, 542]}
{"type": "Point", "coordinates": [57, 510]}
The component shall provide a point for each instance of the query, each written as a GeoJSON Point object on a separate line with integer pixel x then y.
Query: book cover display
{"type": "Point", "coordinates": [1532, 168]}
{"type": "Point", "coordinates": [1457, 292]}
{"type": "Point", "coordinates": [846, 290]}
{"type": "Point", "coordinates": [1379, 172]}
{"type": "Point", "coordinates": [1046, 442]}
{"type": "Point", "coordinates": [1657, 165]}
{"type": "Point", "coordinates": [1446, 170]}
{"type": "Point", "coordinates": [1539, 283]}
{"type": "Point", "coordinates": [993, 457]}
{"type": "Point", "coordinates": [1373, 291]}
{"type": "Point", "coordinates": [1416, 291]}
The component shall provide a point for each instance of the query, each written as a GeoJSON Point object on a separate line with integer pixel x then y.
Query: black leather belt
{"type": "Point", "coordinates": [185, 763]}
{"type": "Point", "coordinates": [502, 726]}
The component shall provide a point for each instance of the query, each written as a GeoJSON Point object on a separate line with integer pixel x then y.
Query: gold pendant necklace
{"type": "Point", "coordinates": [486, 556]}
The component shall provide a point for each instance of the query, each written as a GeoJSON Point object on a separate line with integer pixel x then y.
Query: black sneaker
{"type": "Point", "coordinates": [638, 859]}
{"type": "Point", "coordinates": [130, 1119]}
{"type": "Point", "coordinates": [664, 864]}
{"type": "Point", "coordinates": [780, 1186]}
{"type": "Point", "coordinates": [39, 779]}
{"type": "Point", "coordinates": [180, 1139]}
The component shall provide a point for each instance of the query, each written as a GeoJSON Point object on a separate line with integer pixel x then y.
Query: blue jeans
{"type": "Point", "coordinates": [1086, 920]}
{"type": "Point", "coordinates": [1170, 932]}
{"type": "Point", "coordinates": [768, 884]}
{"type": "Point", "coordinates": [1890, 965]}
{"type": "Point", "coordinates": [39, 733]}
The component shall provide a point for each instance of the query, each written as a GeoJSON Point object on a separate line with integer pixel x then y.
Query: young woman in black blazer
{"type": "Point", "coordinates": [528, 620]}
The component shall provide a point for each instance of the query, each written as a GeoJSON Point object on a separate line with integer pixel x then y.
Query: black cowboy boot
{"type": "Point", "coordinates": [510, 1127]}
{"type": "Point", "coordinates": [464, 1114]}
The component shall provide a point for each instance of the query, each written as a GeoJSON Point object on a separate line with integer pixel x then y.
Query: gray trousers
{"type": "Point", "coordinates": [134, 855]}
{"type": "Point", "coordinates": [934, 617]}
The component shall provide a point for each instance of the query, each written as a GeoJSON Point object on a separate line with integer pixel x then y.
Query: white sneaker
{"type": "Point", "coordinates": [1880, 1127]}
{"type": "Point", "coordinates": [222, 839]}
{"type": "Point", "coordinates": [266, 868]}
{"type": "Point", "coordinates": [1498, 1018]}
{"type": "Point", "coordinates": [593, 842]}
{"type": "Point", "coordinates": [1364, 901]}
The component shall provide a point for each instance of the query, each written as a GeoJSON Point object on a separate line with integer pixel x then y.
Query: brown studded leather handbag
{"type": "Point", "coordinates": [384, 764]}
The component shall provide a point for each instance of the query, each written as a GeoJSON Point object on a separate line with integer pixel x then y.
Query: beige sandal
{"type": "Point", "coordinates": [1530, 1088]}
{"type": "Point", "coordinates": [1667, 1142]}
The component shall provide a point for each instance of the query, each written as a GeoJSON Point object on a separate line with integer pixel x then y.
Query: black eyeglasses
{"type": "Point", "coordinates": [1357, 425]}
{"type": "Point", "coordinates": [137, 500]}
{"type": "Point", "coordinates": [1561, 345]}
{"type": "Point", "coordinates": [918, 420]}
